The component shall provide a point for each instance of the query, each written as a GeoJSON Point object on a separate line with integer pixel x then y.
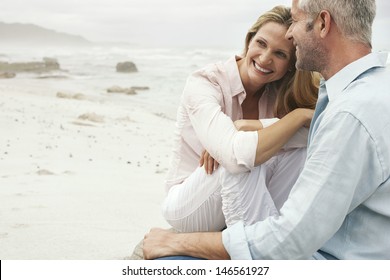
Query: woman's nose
{"type": "Point", "coordinates": [265, 58]}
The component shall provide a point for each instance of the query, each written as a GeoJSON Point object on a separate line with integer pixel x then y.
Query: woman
{"type": "Point", "coordinates": [262, 84]}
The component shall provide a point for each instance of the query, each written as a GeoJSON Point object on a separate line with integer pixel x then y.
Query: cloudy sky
{"type": "Point", "coordinates": [160, 23]}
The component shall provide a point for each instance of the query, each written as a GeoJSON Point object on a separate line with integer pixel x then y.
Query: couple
{"type": "Point", "coordinates": [339, 205]}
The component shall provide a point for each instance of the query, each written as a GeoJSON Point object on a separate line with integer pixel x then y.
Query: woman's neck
{"type": "Point", "coordinates": [250, 106]}
{"type": "Point", "coordinates": [253, 90]}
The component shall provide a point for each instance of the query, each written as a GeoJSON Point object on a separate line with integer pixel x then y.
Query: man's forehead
{"type": "Point", "coordinates": [295, 4]}
{"type": "Point", "coordinates": [295, 11]}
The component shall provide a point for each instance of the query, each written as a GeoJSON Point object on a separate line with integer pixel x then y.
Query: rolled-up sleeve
{"type": "Point", "coordinates": [298, 140]}
{"type": "Point", "coordinates": [243, 144]}
{"type": "Point", "coordinates": [204, 103]}
{"type": "Point", "coordinates": [235, 242]}
{"type": "Point", "coordinates": [336, 178]}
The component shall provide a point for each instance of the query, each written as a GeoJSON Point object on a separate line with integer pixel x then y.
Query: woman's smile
{"type": "Point", "coordinates": [262, 69]}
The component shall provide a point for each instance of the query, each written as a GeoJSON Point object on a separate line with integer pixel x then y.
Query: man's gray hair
{"type": "Point", "coordinates": [353, 17]}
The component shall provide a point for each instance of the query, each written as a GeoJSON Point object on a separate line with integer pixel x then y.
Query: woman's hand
{"type": "Point", "coordinates": [209, 163]}
{"type": "Point", "coordinates": [307, 115]}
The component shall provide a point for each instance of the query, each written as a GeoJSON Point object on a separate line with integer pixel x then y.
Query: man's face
{"type": "Point", "coordinates": [309, 50]}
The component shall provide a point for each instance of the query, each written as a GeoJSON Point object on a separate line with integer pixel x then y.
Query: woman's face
{"type": "Point", "coordinates": [269, 54]}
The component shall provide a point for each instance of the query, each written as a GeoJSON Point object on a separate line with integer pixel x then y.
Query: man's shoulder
{"type": "Point", "coordinates": [366, 103]}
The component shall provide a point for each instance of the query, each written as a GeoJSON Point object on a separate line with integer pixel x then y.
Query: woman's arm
{"type": "Point", "coordinates": [248, 125]}
{"type": "Point", "coordinates": [205, 105]}
{"type": "Point", "coordinates": [275, 136]}
{"type": "Point", "coordinates": [272, 138]}
{"type": "Point", "coordinates": [237, 151]}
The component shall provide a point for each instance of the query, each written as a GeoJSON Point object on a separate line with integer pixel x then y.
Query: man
{"type": "Point", "coordinates": [339, 207]}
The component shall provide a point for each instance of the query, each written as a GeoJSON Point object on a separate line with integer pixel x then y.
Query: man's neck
{"type": "Point", "coordinates": [344, 54]}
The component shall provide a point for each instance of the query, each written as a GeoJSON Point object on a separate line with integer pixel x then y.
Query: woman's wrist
{"type": "Point", "coordinates": [304, 115]}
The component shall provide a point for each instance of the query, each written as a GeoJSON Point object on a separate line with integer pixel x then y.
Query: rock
{"type": "Point", "coordinates": [44, 172]}
{"type": "Point", "coordinates": [51, 63]}
{"type": "Point", "coordinates": [77, 96]}
{"type": "Point", "coordinates": [48, 64]}
{"type": "Point", "coordinates": [93, 117]}
{"type": "Point", "coordinates": [140, 88]}
{"type": "Point", "coordinates": [117, 89]}
{"type": "Point", "coordinates": [126, 67]}
{"type": "Point", "coordinates": [7, 75]}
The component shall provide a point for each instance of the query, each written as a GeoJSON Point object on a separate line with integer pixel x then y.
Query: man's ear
{"type": "Point", "coordinates": [324, 22]}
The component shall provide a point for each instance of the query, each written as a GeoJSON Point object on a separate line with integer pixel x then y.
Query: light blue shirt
{"type": "Point", "coordinates": [341, 202]}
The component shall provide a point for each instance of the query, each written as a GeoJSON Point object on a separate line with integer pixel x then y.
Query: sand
{"type": "Point", "coordinates": [81, 176]}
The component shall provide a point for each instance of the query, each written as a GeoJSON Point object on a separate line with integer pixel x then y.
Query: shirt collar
{"type": "Point", "coordinates": [349, 73]}
{"type": "Point", "coordinates": [233, 73]}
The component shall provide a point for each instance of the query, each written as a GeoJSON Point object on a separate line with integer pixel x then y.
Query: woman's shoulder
{"type": "Point", "coordinates": [215, 71]}
{"type": "Point", "coordinates": [211, 82]}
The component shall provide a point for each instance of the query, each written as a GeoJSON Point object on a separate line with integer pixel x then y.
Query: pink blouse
{"type": "Point", "coordinates": [211, 101]}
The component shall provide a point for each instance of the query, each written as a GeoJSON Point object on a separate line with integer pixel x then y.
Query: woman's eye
{"type": "Point", "coordinates": [261, 43]}
{"type": "Point", "coordinates": [281, 54]}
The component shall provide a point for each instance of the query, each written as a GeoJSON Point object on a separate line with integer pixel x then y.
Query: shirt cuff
{"type": "Point", "coordinates": [268, 122]}
{"type": "Point", "coordinates": [235, 243]}
{"type": "Point", "coordinates": [299, 140]}
{"type": "Point", "coordinates": [244, 148]}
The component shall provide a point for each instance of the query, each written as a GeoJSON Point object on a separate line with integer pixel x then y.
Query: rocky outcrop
{"type": "Point", "coordinates": [48, 64]}
{"type": "Point", "coordinates": [126, 67]}
{"type": "Point", "coordinates": [129, 91]}
{"type": "Point", "coordinates": [7, 75]}
{"type": "Point", "coordinates": [77, 96]}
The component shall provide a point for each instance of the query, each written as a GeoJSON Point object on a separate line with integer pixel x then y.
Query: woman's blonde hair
{"type": "Point", "coordinates": [299, 92]}
{"type": "Point", "coordinates": [297, 88]}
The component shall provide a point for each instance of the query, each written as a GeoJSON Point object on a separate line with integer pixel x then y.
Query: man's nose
{"type": "Point", "coordinates": [288, 35]}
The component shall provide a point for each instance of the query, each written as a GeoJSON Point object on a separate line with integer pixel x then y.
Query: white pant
{"type": "Point", "coordinates": [210, 202]}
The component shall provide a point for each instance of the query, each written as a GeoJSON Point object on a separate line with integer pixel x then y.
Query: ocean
{"type": "Point", "coordinates": [92, 70]}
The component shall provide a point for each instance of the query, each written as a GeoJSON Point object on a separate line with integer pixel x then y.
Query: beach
{"type": "Point", "coordinates": [75, 187]}
{"type": "Point", "coordinates": [81, 169]}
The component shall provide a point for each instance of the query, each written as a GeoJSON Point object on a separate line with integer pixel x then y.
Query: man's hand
{"type": "Point", "coordinates": [205, 245]}
{"type": "Point", "coordinates": [158, 243]}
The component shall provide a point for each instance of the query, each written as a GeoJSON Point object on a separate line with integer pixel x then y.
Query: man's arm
{"type": "Point", "coordinates": [162, 243]}
{"type": "Point", "coordinates": [341, 171]}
